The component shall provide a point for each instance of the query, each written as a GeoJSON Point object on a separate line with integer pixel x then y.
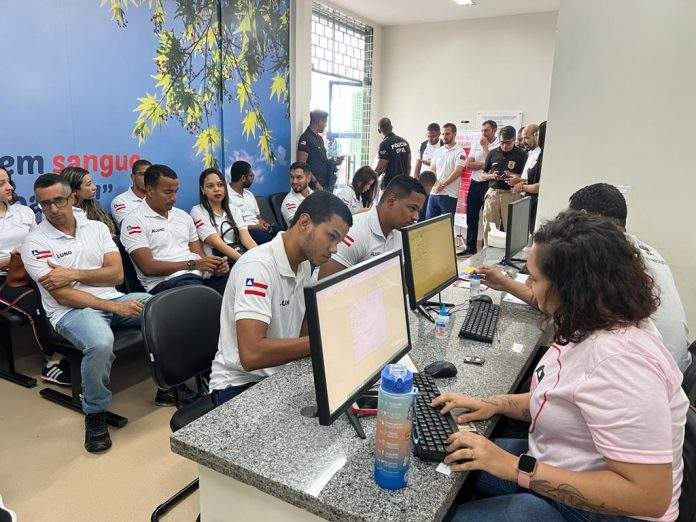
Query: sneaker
{"type": "Point", "coordinates": [165, 397]}
{"type": "Point", "coordinates": [57, 372]}
{"type": "Point", "coordinates": [96, 433]}
{"type": "Point", "coordinates": [466, 253]}
{"type": "Point", "coordinates": [168, 398]}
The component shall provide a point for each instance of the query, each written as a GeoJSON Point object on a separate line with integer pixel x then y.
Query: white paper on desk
{"type": "Point", "coordinates": [322, 480]}
{"type": "Point", "coordinates": [509, 298]}
{"type": "Point", "coordinates": [443, 468]}
{"type": "Point", "coordinates": [406, 361]}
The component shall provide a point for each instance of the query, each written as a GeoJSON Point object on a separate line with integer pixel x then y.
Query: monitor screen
{"type": "Point", "coordinates": [431, 259]}
{"type": "Point", "coordinates": [517, 236]}
{"type": "Point", "coordinates": [357, 323]}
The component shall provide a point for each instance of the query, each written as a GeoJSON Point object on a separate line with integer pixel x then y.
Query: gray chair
{"type": "Point", "coordinates": [687, 500]}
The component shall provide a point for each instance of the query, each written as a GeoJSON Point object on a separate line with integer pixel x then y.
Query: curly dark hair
{"type": "Point", "coordinates": [599, 276]}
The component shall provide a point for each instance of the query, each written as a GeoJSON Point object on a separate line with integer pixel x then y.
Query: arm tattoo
{"type": "Point", "coordinates": [571, 496]}
{"type": "Point", "coordinates": [509, 404]}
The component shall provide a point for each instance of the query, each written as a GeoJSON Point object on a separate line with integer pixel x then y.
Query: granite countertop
{"type": "Point", "coordinates": [260, 438]}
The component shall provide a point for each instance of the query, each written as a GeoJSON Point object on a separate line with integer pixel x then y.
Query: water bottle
{"type": "Point", "coordinates": [393, 435]}
{"type": "Point", "coordinates": [441, 322]}
{"type": "Point", "coordinates": [474, 285]}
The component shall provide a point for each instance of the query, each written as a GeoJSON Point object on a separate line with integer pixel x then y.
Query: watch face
{"type": "Point", "coordinates": [526, 463]}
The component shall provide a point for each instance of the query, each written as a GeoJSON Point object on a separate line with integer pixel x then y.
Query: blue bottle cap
{"type": "Point", "coordinates": [443, 309]}
{"type": "Point", "coordinates": [475, 276]}
{"type": "Point", "coordinates": [396, 378]}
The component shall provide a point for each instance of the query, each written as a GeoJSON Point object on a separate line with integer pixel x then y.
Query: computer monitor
{"type": "Point", "coordinates": [358, 323]}
{"type": "Point", "coordinates": [517, 230]}
{"type": "Point", "coordinates": [430, 258]}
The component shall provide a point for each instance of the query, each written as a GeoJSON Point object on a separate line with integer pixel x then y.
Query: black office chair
{"type": "Point", "coordinates": [689, 380]}
{"type": "Point", "coordinates": [125, 340]}
{"type": "Point", "coordinates": [687, 500]}
{"type": "Point", "coordinates": [266, 211]}
{"type": "Point", "coordinates": [180, 330]}
{"type": "Point", "coordinates": [277, 204]}
{"type": "Point", "coordinates": [131, 283]}
{"type": "Point", "coordinates": [11, 320]}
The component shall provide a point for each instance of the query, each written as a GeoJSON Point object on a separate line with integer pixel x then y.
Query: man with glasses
{"type": "Point", "coordinates": [76, 265]}
{"type": "Point", "coordinates": [122, 204]}
{"type": "Point", "coordinates": [502, 164]}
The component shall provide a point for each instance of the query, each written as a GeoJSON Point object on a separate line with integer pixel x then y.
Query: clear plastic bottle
{"type": "Point", "coordinates": [441, 322]}
{"type": "Point", "coordinates": [474, 285]}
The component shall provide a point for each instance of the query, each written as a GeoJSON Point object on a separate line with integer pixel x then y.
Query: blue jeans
{"type": "Point", "coordinates": [91, 332]}
{"type": "Point", "coordinates": [474, 204]}
{"type": "Point", "coordinates": [507, 502]}
{"type": "Point", "coordinates": [222, 396]}
{"type": "Point", "coordinates": [439, 204]}
{"type": "Point", "coordinates": [261, 236]}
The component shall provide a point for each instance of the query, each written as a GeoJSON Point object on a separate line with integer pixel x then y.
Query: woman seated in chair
{"type": "Point", "coordinates": [220, 226]}
{"type": "Point", "coordinates": [360, 195]}
{"type": "Point", "coordinates": [85, 191]}
{"type": "Point", "coordinates": [16, 221]}
{"type": "Point", "coordinates": [606, 406]}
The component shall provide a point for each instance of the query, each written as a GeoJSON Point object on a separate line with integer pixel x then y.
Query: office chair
{"type": "Point", "coordinates": [689, 380]}
{"type": "Point", "coordinates": [131, 283]}
{"type": "Point", "coordinates": [180, 331]}
{"type": "Point", "coordinates": [277, 204]}
{"type": "Point", "coordinates": [687, 500]}
{"type": "Point", "coordinates": [267, 212]}
{"type": "Point", "coordinates": [11, 320]}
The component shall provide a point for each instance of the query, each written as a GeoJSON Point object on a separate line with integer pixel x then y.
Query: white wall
{"type": "Point", "coordinates": [622, 101]}
{"type": "Point", "coordinates": [449, 71]}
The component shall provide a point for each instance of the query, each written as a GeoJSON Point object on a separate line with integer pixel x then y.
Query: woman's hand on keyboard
{"type": "Point", "coordinates": [480, 408]}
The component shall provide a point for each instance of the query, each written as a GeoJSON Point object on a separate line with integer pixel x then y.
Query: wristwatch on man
{"type": "Point", "coordinates": [526, 467]}
{"type": "Point", "coordinates": [191, 264]}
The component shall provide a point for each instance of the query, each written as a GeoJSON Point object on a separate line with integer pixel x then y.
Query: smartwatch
{"type": "Point", "coordinates": [526, 467]}
{"type": "Point", "coordinates": [191, 264]}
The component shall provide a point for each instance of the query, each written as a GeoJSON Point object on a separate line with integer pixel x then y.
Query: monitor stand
{"type": "Point", "coordinates": [434, 306]}
{"type": "Point", "coordinates": [509, 262]}
{"type": "Point", "coordinates": [355, 422]}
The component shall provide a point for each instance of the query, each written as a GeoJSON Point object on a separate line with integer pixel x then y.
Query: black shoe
{"type": "Point", "coordinates": [96, 433]}
{"type": "Point", "coordinates": [57, 372]}
{"type": "Point", "coordinates": [187, 395]}
{"type": "Point", "coordinates": [466, 253]}
{"type": "Point", "coordinates": [165, 397]}
{"type": "Point", "coordinates": [168, 398]}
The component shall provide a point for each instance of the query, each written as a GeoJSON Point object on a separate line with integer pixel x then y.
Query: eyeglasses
{"type": "Point", "coordinates": [58, 202]}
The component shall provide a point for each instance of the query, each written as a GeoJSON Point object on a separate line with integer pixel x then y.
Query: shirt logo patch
{"type": "Point", "coordinates": [157, 230]}
{"type": "Point", "coordinates": [41, 254]}
{"type": "Point", "coordinates": [511, 164]}
{"type": "Point", "coordinates": [63, 254]}
{"type": "Point", "coordinates": [198, 223]}
{"type": "Point", "coordinates": [540, 373]}
{"type": "Point", "coordinates": [133, 229]}
{"type": "Point", "coordinates": [252, 287]}
{"type": "Point", "coordinates": [285, 302]}
{"type": "Point", "coordinates": [119, 206]}
{"type": "Point", "coordinates": [348, 240]}
{"type": "Point", "coordinates": [291, 206]}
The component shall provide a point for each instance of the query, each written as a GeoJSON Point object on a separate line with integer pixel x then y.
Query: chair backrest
{"type": "Point", "coordinates": [131, 283]}
{"type": "Point", "coordinates": [689, 381]}
{"type": "Point", "coordinates": [266, 211]}
{"type": "Point", "coordinates": [687, 500]}
{"type": "Point", "coordinates": [277, 205]}
{"type": "Point", "coordinates": [180, 329]}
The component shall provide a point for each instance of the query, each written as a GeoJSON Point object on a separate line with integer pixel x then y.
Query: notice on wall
{"type": "Point", "coordinates": [500, 118]}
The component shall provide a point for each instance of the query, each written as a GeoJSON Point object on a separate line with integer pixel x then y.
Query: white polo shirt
{"type": "Point", "coordinates": [428, 153]}
{"type": "Point", "coordinates": [263, 287]}
{"type": "Point", "coordinates": [477, 152]}
{"type": "Point", "coordinates": [365, 240]}
{"type": "Point", "coordinates": [247, 205]}
{"type": "Point", "coordinates": [446, 160]}
{"type": "Point", "coordinates": [532, 157]}
{"type": "Point", "coordinates": [168, 239]}
{"type": "Point", "coordinates": [122, 205]}
{"type": "Point", "coordinates": [290, 204]}
{"type": "Point", "coordinates": [84, 251]}
{"type": "Point", "coordinates": [347, 195]}
{"type": "Point", "coordinates": [222, 226]}
{"type": "Point", "coordinates": [15, 225]}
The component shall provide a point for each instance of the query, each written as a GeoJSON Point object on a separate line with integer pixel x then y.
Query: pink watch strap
{"type": "Point", "coordinates": [524, 479]}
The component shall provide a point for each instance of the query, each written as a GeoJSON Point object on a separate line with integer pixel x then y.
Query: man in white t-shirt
{"type": "Point", "coordinates": [262, 324]}
{"type": "Point", "coordinates": [427, 149]}
{"type": "Point", "coordinates": [122, 204]}
{"type": "Point", "coordinates": [300, 175]}
{"type": "Point", "coordinates": [447, 164]}
{"type": "Point", "coordinates": [377, 230]}
{"type": "Point", "coordinates": [76, 265]}
{"type": "Point", "coordinates": [163, 242]}
{"type": "Point", "coordinates": [241, 178]}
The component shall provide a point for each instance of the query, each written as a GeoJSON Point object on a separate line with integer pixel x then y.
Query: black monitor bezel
{"type": "Point", "coordinates": [410, 284]}
{"type": "Point", "coordinates": [310, 293]}
{"type": "Point", "coordinates": [511, 212]}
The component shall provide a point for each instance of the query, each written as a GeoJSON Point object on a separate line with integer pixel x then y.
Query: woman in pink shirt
{"type": "Point", "coordinates": [606, 407]}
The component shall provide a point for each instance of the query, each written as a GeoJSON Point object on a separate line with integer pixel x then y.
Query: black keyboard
{"type": "Point", "coordinates": [431, 429]}
{"type": "Point", "coordinates": [481, 321]}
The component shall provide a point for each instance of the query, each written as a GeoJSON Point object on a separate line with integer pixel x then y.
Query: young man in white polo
{"type": "Point", "coordinates": [262, 323]}
{"type": "Point", "coordinates": [163, 242]}
{"type": "Point", "coordinates": [448, 164]}
{"type": "Point", "coordinates": [377, 231]}
{"type": "Point", "coordinates": [76, 265]}
{"type": "Point", "coordinates": [122, 204]}
{"type": "Point", "coordinates": [300, 175]}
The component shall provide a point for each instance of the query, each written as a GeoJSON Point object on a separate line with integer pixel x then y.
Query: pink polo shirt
{"type": "Point", "coordinates": [616, 395]}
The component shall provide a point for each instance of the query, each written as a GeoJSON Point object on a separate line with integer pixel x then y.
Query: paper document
{"type": "Point", "coordinates": [509, 298]}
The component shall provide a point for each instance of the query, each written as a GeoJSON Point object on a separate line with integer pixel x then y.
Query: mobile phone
{"type": "Point", "coordinates": [475, 359]}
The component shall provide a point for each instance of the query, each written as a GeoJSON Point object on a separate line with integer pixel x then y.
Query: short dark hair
{"type": "Point", "coordinates": [49, 179]}
{"type": "Point", "coordinates": [385, 125]}
{"type": "Point", "coordinates": [301, 165]}
{"type": "Point", "coordinates": [427, 177]}
{"type": "Point", "coordinates": [139, 163]}
{"type": "Point", "coordinates": [239, 169]}
{"type": "Point", "coordinates": [434, 127]}
{"type": "Point", "coordinates": [603, 199]}
{"type": "Point", "coordinates": [493, 125]}
{"type": "Point", "coordinates": [402, 187]}
{"type": "Point", "coordinates": [321, 206]}
{"type": "Point", "coordinates": [598, 275]}
{"type": "Point", "coordinates": [508, 133]}
{"type": "Point", "coordinates": [317, 115]}
{"type": "Point", "coordinates": [155, 172]}
{"type": "Point", "coordinates": [451, 126]}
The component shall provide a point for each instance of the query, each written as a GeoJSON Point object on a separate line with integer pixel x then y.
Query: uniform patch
{"type": "Point", "coordinates": [253, 287]}
{"type": "Point", "coordinates": [348, 240]}
{"type": "Point", "coordinates": [133, 229]}
{"type": "Point", "coordinates": [511, 164]}
{"type": "Point", "coordinates": [198, 223]}
{"type": "Point", "coordinates": [41, 254]}
{"type": "Point", "coordinates": [119, 206]}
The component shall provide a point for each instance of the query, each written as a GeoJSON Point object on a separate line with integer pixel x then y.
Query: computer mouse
{"type": "Point", "coordinates": [482, 297]}
{"type": "Point", "coordinates": [441, 369]}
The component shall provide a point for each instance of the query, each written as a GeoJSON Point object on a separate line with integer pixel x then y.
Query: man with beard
{"type": "Point", "coordinates": [300, 175]}
{"type": "Point", "coordinates": [447, 164]}
{"type": "Point", "coordinates": [241, 178]}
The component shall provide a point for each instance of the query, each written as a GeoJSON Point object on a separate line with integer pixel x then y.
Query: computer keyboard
{"type": "Point", "coordinates": [431, 429]}
{"type": "Point", "coordinates": [480, 322]}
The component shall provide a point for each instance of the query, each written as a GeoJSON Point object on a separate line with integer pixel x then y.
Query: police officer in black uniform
{"type": "Point", "coordinates": [312, 151]}
{"type": "Point", "coordinates": [394, 154]}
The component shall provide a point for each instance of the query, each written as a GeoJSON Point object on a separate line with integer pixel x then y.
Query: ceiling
{"type": "Point", "coordinates": [403, 12]}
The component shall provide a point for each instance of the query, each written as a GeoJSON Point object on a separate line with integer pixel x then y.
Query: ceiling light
{"type": "Point", "coordinates": [464, 2]}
